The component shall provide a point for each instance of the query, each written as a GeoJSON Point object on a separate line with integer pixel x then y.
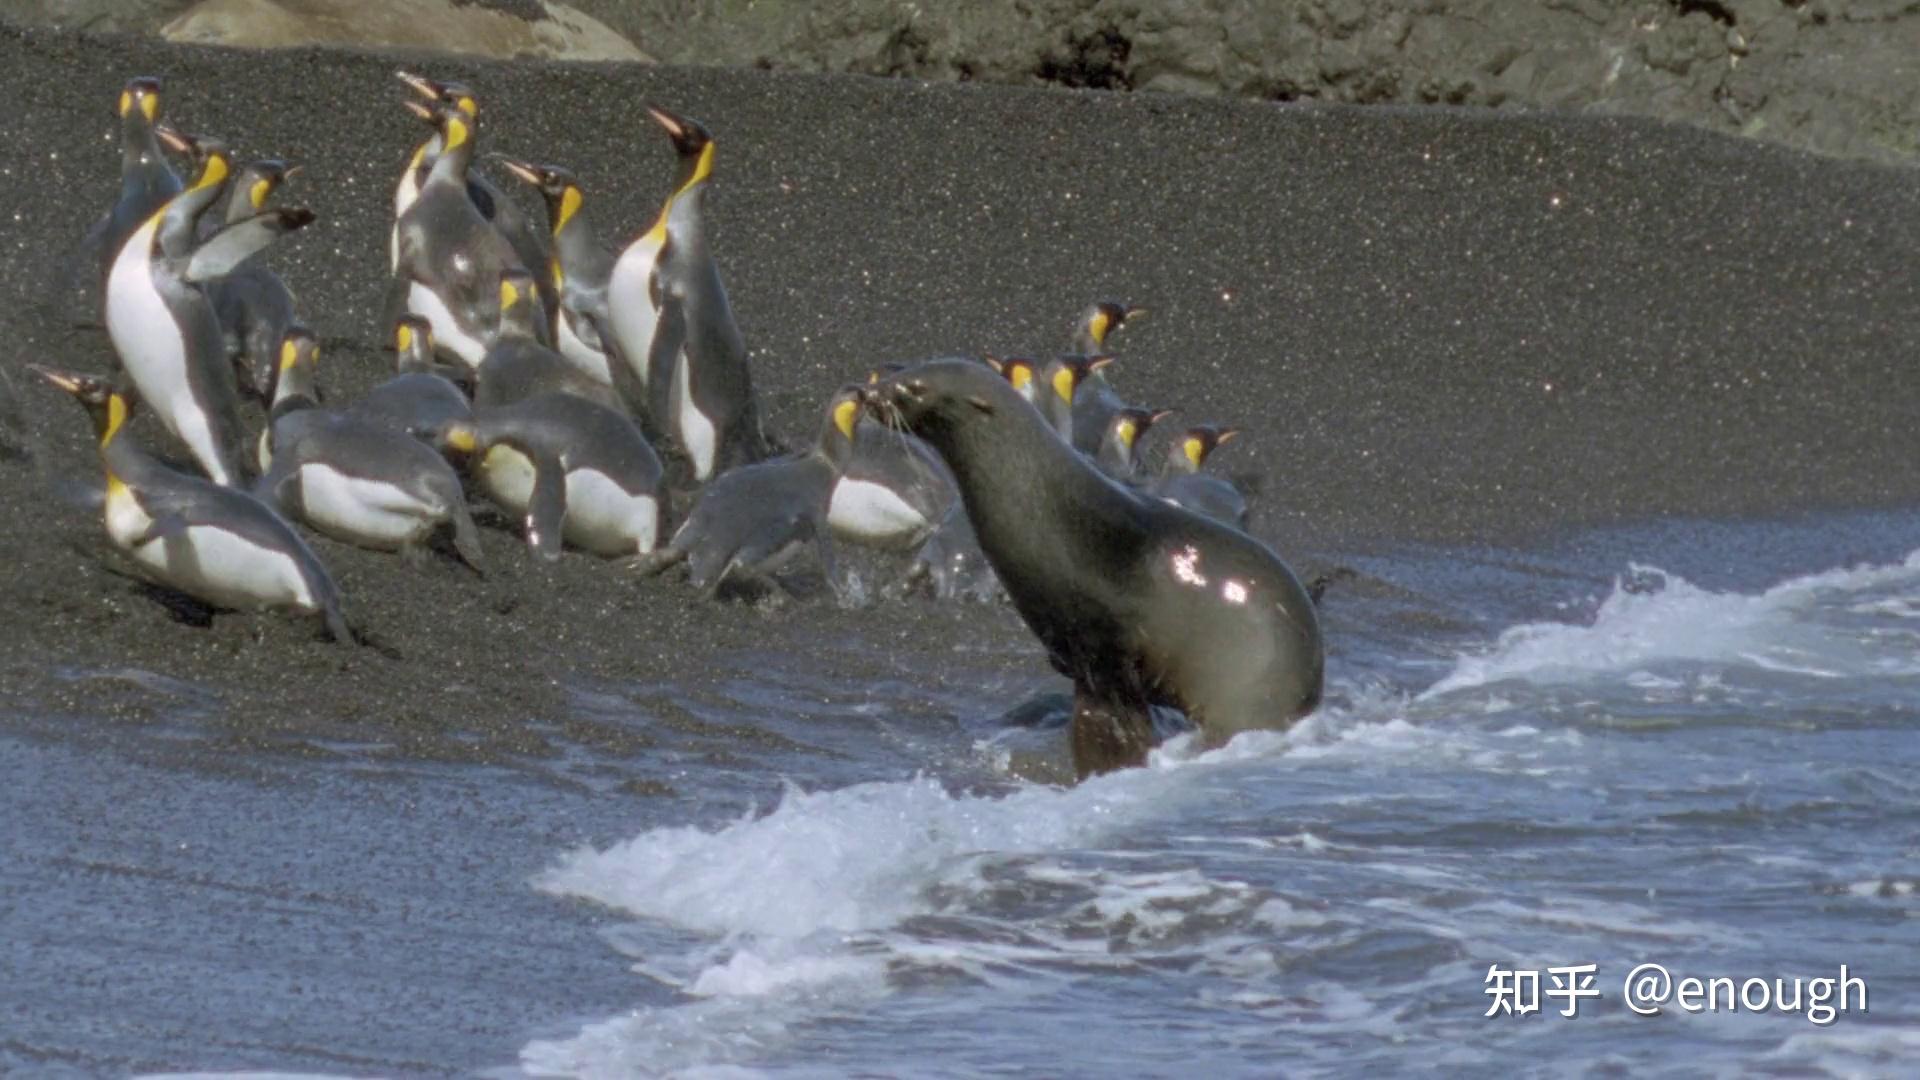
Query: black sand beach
{"type": "Point", "coordinates": [1429, 324]}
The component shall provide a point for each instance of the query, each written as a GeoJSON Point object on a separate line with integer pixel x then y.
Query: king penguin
{"type": "Point", "coordinates": [162, 323]}
{"type": "Point", "coordinates": [578, 270]}
{"type": "Point", "coordinates": [1023, 372]}
{"type": "Point", "coordinates": [572, 469]}
{"type": "Point", "coordinates": [1118, 456]}
{"type": "Point", "coordinates": [751, 521]}
{"type": "Point", "coordinates": [451, 257]}
{"type": "Point", "coordinates": [674, 329]}
{"type": "Point", "coordinates": [1183, 484]}
{"type": "Point", "coordinates": [1096, 401]}
{"type": "Point", "coordinates": [351, 478]}
{"type": "Point", "coordinates": [892, 489]}
{"type": "Point", "coordinates": [255, 307]}
{"type": "Point", "coordinates": [220, 546]}
{"type": "Point", "coordinates": [517, 366]}
{"type": "Point", "coordinates": [147, 180]}
{"type": "Point", "coordinates": [1061, 381]}
{"type": "Point", "coordinates": [421, 399]}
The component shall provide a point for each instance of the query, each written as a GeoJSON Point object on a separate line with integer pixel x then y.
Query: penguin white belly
{"type": "Point", "coordinates": [228, 570]}
{"type": "Point", "coordinates": [154, 352]}
{"type": "Point", "coordinates": [870, 511]}
{"type": "Point", "coordinates": [507, 476]}
{"type": "Point", "coordinates": [403, 196]}
{"type": "Point", "coordinates": [447, 330]}
{"type": "Point", "coordinates": [630, 310]}
{"type": "Point", "coordinates": [209, 563]}
{"type": "Point", "coordinates": [590, 361]}
{"type": "Point", "coordinates": [697, 434]}
{"type": "Point", "coordinates": [605, 518]}
{"type": "Point", "coordinates": [373, 513]}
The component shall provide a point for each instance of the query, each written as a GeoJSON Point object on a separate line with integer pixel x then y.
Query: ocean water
{"type": "Point", "coordinates": [1685, 744]}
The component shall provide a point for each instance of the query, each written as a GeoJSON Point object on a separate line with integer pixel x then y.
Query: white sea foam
{"type": "Point", "coordinates": [1653, 618]}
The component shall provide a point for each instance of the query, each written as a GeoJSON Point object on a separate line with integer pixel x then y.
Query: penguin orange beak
{"type": "Point", "coordinates": [424, 112]}
{"type": "Point", "coordinates": [688, 136]}
{"type": "Point", "coordinates": [175, 141]}
{"type": "Point", "coordinates": [527, 171]}
{"type": "Point", "coordinates": [676, 127]}
{"type": "Point", "coordinates": [65, 380]}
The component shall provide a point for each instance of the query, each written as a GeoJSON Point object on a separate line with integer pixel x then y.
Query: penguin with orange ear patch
{"type": "Point", "coordinates": [1183, 484]}
{"type": "Point", "coordinates": [753, 520]}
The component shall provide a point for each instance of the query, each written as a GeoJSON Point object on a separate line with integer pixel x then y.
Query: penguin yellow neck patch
{"type": "Point", "coordinates": [467, 105]}
{"type": "Point", "coordinates": [509, 295]}
{"type": "Point", "coordinates": [570, 201]}
{"type": "Point", "coordinates": [461, 438]}
{"type": "Point", "coordinates": [456, 133]}
{"type": "Point", "coordinates": [257, 194]}
{"type": "Point", "coordinates": [116, 419]}
{"type": "Point", "coordinates": [215, 171]}
{"type": "Point", "coordinates": [845, 415]}
{"type": "Point", "coordinates": [126, 102]}
{"type": "Point", "coordinates": [403, 337]}
{"type": "Point", "coordinates": [150, 106]}
{"type": "Point", "coordinates": [558, 274]}
{"type": "Point", "coordinates": [1022, 376]}
{"type": "Point", "coordinates": [289, 356]}
{"type": "Point", "coordinates": [1196, 451]}
{"type": "Point", "coordinates": [1128, 432]}
{"type": "Point", "coordinates": [1097, 327]}
{"type": "Point", "coordinates": [702, 169]}
{"type": "Point", "coordinates": [1063, 384]}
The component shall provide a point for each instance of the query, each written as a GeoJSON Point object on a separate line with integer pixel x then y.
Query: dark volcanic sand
{"type": "Point", "coordinates": [1428, 323]}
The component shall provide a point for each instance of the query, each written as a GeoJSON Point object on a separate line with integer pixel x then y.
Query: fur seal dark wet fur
{"type": "Point", "coordinates": [1137, 601]}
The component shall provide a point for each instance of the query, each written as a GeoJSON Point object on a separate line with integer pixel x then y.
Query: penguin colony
{"type": "Point", "coordinates": [585, 391]}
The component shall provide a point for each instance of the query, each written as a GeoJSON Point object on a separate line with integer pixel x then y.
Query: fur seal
{"type": "Point", "coordinates": [1137, 601]}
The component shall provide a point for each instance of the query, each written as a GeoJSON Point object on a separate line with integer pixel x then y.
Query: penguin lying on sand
{"type": "Point", "coordinates": [220, 546]}
{"type": "Point", "coordinates": [517, 366]}
{"type": "Point", "coordinates": [751, 521]}
{"type": "Point", "coordinates": [422, 399]}
{"type": "Point", "coordinates": [352, 478]}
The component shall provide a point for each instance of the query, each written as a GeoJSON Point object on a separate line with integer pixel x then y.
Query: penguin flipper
{"type": "Point", "coordinates": [164, 524]}
{"type": "Point", "coordinates": [224, 251]}
{"type": "Point", "coordinates": [669, 337]}
{"type": "Point", "coordinates": [547, 506]}
{"type": "Point", "coordinates": [271, 488]}
{"type": "Point", "coordinates": [466, 539]}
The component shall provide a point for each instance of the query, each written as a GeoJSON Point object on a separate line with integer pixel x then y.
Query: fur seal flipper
{"type": "Point", "coordinates": [1137, 601]}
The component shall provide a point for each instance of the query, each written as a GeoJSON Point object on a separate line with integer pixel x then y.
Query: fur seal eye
{"type": "Point", "coordinates": [982, 404]}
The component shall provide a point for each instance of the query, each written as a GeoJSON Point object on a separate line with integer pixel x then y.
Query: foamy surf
{"type": "Point", "coordinates": [1829, 625]}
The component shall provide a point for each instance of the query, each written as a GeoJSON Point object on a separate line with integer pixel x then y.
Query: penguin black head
{"type": "Point", "coordinates": [212, 163]}
{"type": "Point", "coordinates": [296, 384]}
{"type": "Point", "coordinates": [1066, 373]}
{"type": "Point", "coordinates": [691, 141]}
{"type": "Point", "coordinates": [557, 185]}
{"type": "Point", "coordinates": [413, 343]}
{"type": "Point", "coordinates": [260, 179]}
{"type": "Point", "coordinates": [1021, 372]}
{"type": "Point", "coordinates": [140, 101]}
{"type": "Point", "coordinates": [454, 124]}
{"type": "Point", "coordinates": [452, 93]}
{"type": "Point", "coordinates": [516, 303]}
{"type": "Point", "coordinates": [109, 408]}
{"type": "Point", "coordinates": [1130, 423]}
{"type": "Point", "coordinates": [1101, 319]}
{"type": "Point", "coordinates": [1200, 441]}
{"type": "Point", "coordinates": [843, 417]}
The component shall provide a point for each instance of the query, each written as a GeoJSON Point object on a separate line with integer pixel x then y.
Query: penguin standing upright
{"type": "Point", "coordinates": [451, 258]}
{"type": "Point", "coordinates": [578, 270]}
{"type": "Point", "coordinates": [147, 181]}
{"type": "Point", "coordinates": [1096, 401]}
{"type": "Point", "coordinates": [517, 366]}
{"type": "Point", "coordinates": [352, 478]}
{"type": "Point", "coordinates": [505, 215]}
{"type": "Point", "coordinates": [220, 546]}
{"type": "Point", "coordinates": [162, 322]}
{"type": "Point", "coordinates": [750, 521]}
{"type": "Point", "coordinates": [1062, 380]}
{"type": "Point", "coordinates": [254, 306]}
{"type": "Point", "coordinates": [1118, 456]}
{"type": "Point", "coordinates": [672, 326]}
{"type": "Point", "coordinates": [1182, 483]}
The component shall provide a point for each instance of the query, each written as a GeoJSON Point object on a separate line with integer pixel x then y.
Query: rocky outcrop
{"type": "Point", "coordinates": [1832, 76]}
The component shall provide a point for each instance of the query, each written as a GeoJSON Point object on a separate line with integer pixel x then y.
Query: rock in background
{"type": "Point", "coordinates": [1834, 76]}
